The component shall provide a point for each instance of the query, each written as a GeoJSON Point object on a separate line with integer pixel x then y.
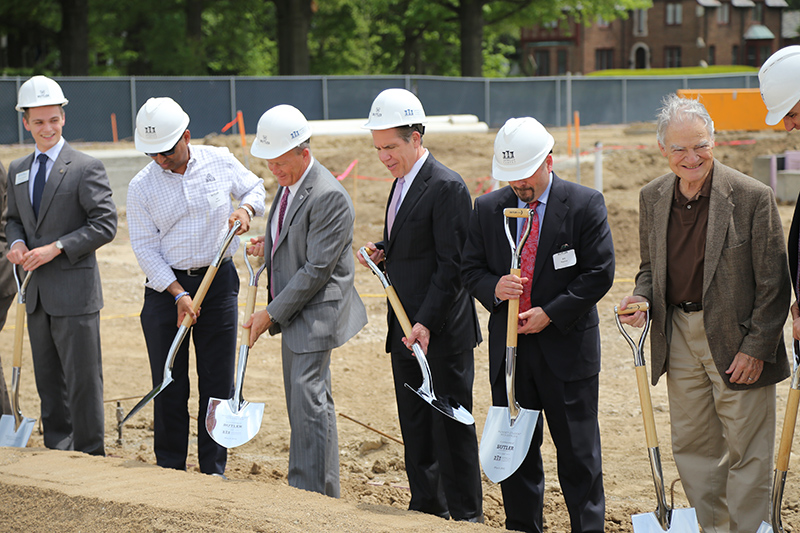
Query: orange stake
{"type": "Point", "coordinates": [114, 127]}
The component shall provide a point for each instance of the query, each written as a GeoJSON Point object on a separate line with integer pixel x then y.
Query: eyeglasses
{"type": "Point", "coordinates": [168, 153]}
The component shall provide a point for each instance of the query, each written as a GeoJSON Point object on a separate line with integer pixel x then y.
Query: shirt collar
{"type": "Point", "coordinates": [53, 152]}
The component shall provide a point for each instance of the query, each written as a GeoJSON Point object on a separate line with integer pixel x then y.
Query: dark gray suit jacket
{"type": "Point", "coordinates": [316, 305]}
{"type": "Point", "coordinates": [77, 209]}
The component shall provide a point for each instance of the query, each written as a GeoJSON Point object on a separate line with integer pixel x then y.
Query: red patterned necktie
{"type": "Point", "coordinates": [281, 214]}
{"type": "Point", "coordinates": [528, 259]}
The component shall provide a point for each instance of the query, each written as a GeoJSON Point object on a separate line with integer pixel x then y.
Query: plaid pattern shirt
{"type": "Point", "coordinates": [179, 221]}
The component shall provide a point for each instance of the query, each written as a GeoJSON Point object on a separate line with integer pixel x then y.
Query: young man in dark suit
{"type": "Point", "coordinates": [559, 338]}
{"type": "Point", "coordinates": [59, 212]}
{"type": "Point", "coordinates": [426, 223]}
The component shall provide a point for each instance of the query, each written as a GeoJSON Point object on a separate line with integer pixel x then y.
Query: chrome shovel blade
{"type": "Point", "coordinates": [9, 437]}
{"type": "Point", "coordinates": [764, 528]}
{"type": "Point", "coordinates": [149, 396]}
{"type": "Point", "coordinates": [446, 406]}
{"type": "Point", "coordinates": [505, 443]}
{"type": "Point", "coordinates": [682, 521]}
{"type": "Point", "coordinates": [230, 426]}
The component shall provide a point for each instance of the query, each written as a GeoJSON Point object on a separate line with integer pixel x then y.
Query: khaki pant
{"type": "Point", "coordinates": [722, 440]}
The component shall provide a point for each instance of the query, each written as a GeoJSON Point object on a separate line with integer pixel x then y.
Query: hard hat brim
{"type": "Point", "coordinates": [774, 117]}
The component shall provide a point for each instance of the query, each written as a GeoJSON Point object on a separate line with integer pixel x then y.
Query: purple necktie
{"type": "Point", "coordinates": [38, 185]}
{"type": "Point", "coordinates": [394, 205]}
{"type": "Point", "coordinates": [281, 214]}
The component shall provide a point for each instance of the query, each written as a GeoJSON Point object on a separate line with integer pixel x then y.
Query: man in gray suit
{"type": "Point", "coordinates": [59, 212]}
{"type": "Point", "coordinates": [7, 286]}
{"type": "Point", "coordinates": [714, 269]}
{"type": "Point", "coordinates": [312, 300]}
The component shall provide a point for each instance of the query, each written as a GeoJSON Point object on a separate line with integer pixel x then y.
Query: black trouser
{"type": "Point", "coordinates": [571, 411]}
{"type": "Point", "coordinates": [214, 337]}
{"type": "Point", "coordinates": [441, 455]}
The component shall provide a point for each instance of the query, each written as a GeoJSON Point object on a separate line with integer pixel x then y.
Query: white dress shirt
{"type": "Point", "coordinates": [180, 220]}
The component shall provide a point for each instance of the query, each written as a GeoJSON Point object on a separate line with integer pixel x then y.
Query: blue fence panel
{"type": "Point", "coordinates": [9, 118]}
{"type": "Point", "coordinates": [523, 98]}
{"type": "Point", "coordinates": [599, 101]}
{"type": "Point", "coordinates": [256, 95]}
{"type": "Point", "coordinates": [452, 96]}
{"type": "Point", "coordinates": [644, 96]}
{"type": "Point", "coordinates": [205, 100]}
{"type": "Point", "coordinates": [351, 97]}
{"type": "Point", "coordinates": [91, 103]}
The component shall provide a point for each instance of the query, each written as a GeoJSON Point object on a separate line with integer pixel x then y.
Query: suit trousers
{"type": "Point", "coordinates": [722, 439]}
{"type": "Point", "coordinates": [571, 411]}
{"type": "Point", "coordinates": [314, 443]}
{"type": "Point", "coordinates": [441, 455]}
{"type": "Point", "coordinates": [5, 402]}
{"type": "Point", "coordinates": [214, 338]}
{"type": "Point", "coordinates": [68, 367]}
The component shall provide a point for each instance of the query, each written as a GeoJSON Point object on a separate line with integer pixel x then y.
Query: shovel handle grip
{"type": "Point", "coordinates": [513, 314]}
{"type": "Point", "coordinates": [650, 434]}
{"type": "Point", "coordinates": [787, 433]}
{"type": "Point", "coordinates": [19, 329]}
{"type": "Point", "coordinates": [516, 212]}
{"type": "Point", "coordinates": [632, 308]}
{"type": "Point", "coordinates": [402, 317]}
{"type": "Point", "coordinates": [200, 294]}
{"type": "Point", "coordinates": [249, 307]}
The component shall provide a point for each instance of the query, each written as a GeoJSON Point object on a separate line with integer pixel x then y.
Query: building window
{"type": "Point", "coordinates": [542, 59]}
{"type": "Point", "coordinates": [640, 22]}
{"type": "Point", "coordinates": [674, 14]}
{"type": "Point", "coordinates": [561, 62]}
{"type": "Point", "coordinates": [672, 56]}
{"type": "Point", "coordinates": [735, 54]}
{"type": "Point", "coordinates": [602, 23]}
{"type": "Point", "coordinates": [758, 13]}
{"type": "Point", "coordinates": [724, 14]}
{"type": "Point", "coordinates": [603, 58]}
{"type": "Point", "coordinates": [712, 55]}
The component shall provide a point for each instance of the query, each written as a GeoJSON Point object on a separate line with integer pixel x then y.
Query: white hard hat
{"type": "Point", "coordinates": [521, 145]}
{"type": "Point", "coordinates": [779, 79]}
{"type": "Point", "coordinates": [393, 108]}
{"type": "Point", "coordinates": [40, 91]}
{"type": "Point", "coordinates": [160, 123]}
{"type": "Point", "coordinates": [280, 129]}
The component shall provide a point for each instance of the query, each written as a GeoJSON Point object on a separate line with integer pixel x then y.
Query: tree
{"type": "Point", "coordinates": [74, 37]}
{"type": "Point", "coordinates": [294, 19]}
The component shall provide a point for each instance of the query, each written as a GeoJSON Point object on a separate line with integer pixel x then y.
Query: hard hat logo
{"type": "Point", "coordinates": [43, 93]}
{"type": "Point", "coordinates": [508, 156]}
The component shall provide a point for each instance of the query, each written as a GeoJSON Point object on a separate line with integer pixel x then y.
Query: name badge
{"type": "Point", "coordinates": [216, 199]}
{"type": "Point", "coordinates": [22, 177]}
{"type": "Point", "coordinates": [565, 259]}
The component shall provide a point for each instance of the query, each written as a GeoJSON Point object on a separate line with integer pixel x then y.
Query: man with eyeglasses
{"type": "Point", "coordinates": [714, 269]}
{"type": "Point", "coordinates": [179, 211]}
{"type": "Point", "coordinates": [60, 212]}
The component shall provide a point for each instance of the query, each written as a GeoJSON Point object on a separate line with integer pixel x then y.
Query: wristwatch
{"type": "Point", "coordinates": [59, 245]}
{"type": "Point", "coordinates": [272, 319]}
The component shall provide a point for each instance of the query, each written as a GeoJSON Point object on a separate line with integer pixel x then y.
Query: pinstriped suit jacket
{"type": "Point", "coordinates": [316, 305]}
{"type": "Point", "coordinates": [746, 287]}
{"type": "Point", "coordinates": [77, 209]}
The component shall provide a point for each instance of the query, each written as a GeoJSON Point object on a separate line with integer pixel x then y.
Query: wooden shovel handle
{"type": "Point", "coordinates": [647, 407]}
{"type": "Point", "coordinates": [201, 293]}
{"type": "Point", "coordinates": [787, 434]}
{"type": "Point", "coordinates": [249, 306]}
{"type": "Point", "coordinates": [516, 212]}
{"type": "Point", "coordinates": [513, 315]}
{"type": "Point", "coordinates": [19, 329]}
{"type": "Point", "coordinates": [402, 317]}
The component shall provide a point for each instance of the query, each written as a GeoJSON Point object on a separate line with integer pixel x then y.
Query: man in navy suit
{"type": "Point", "coordinates": [426, 226]}
{"type": "Point", "coordinates": [559, 339]}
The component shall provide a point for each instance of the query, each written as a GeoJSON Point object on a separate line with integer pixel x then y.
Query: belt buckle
{"type": "Point", "coordinates": [193, 272]}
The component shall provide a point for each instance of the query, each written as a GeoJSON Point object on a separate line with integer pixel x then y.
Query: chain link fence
{"type": "Point", "coordinates": [212, 102]}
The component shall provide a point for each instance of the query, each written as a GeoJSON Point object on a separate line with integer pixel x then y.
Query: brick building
{"type": "Point", "coordinates": [671, 33]}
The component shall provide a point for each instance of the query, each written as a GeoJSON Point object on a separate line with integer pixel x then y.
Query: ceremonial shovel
{"type": "Point", "coordinates": [235, 421]}
{"type": "Point", "coordinates": [16, 430]}
{"type": "Point", "coordinates": [664, 518]}
{"type": "Point", "coordinates": [784, 451]}
{"type": "Point", "coordinates": [508, 431]}
{"type": "Point", "coordinates": [446, 406]}
{"type": "Point", "coordinates": [186, 324]}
